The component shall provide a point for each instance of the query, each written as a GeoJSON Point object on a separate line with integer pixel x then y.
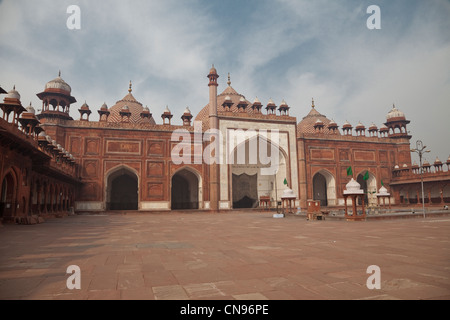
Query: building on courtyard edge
{"type": "Point", "coordinates": [52, 164]}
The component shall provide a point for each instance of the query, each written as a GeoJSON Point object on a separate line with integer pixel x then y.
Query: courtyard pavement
{"type": "Point", "coordinates": [236, 256]}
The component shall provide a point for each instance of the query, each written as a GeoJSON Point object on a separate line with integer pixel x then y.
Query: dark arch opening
{"type": "Point", "coordinates": [245, 192]}
{"type": "Point", "coordinates": [122, 190]}
{"type": "Point", "coordinates": [184, 190]}
{"type": "Point", "coordinates": [363, 184]}
{"type": "Point", "coordinates": [7, 196]}
{"type": "Point", "coordinates": [320, 189]}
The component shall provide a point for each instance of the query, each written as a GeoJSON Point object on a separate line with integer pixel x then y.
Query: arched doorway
{"type": "Point", "coordinates": [7, 203]}
{"type": "Point", "coordinates": [122, 192]}
{"type": "Point", "coordinates": [185, 190]}
{"type": "Point", "coordinates": [259, 168]}
{"type": "Point", "coordinates": [370, 188]}
{"type": "Point", "coordinates": [320, 189]}
{"type": "Point", "coordinates": [324, 188]}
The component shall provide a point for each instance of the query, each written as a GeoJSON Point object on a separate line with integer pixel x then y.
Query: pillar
{"type": "Point", "coordinates": [214, 125]}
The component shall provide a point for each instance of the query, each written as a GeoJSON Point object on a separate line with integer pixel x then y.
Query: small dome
{"type": "Point", "coordinates": [373, 126]}
{"type": "Point", "coordinates": [396, 166]}
{"type": "Point", "coordinates": [104, 107]}
{"type": "Point", "coordinates": [283, 103]}
{"type": "Point", "coordinates": [42, 134]}
{"type": "Point", "coordinates": [347, 124]}
{"type": "Point", "coordinates": [288, 193]}
{"type": "Point", "coordinates": [405, 165]}
{"type": "Point", "coordinates": [437, 161]}
{"type": "Point", "coordinates": [319, 122]}
{"type": "Point", "coordinates": [125, 108]}
{"type": "Point", "coordinates": [30, 109]}
{"type": "Point", "coordinates": [415, 165]}
{"type": "Point", "coordinates": [85, 106]}
{"type": "Point", "coordinates": [384, 128]}
{"type": "Point", "coordinates": [256, 101]}
{"type": "Point", "coordinates": [58, 83]}
{"type": "Point", "coordinates": [353, 187]}
{"type": "Point", "coordinates": [271, 103]}
{"type": "Point", "coordinates": [167, 110]}
{"type": "Point", "coordinates": [187, 111]}
{"type": "Point", "coordinates": [227, 99]}
{"type": "Point", "coordinates": [426, 163]}
{"type": "Point", "coordinates": [383, 191]}
{"type": "Point", "coordinates": [395, 113]}
{"type": "Point", "coordinates": [13, 94]}
{"type": "Point", "coordinates": [213, 70]}
{"type": "Point", "coordinates": [242, 99]}
{"type": "Point", "coordinates": [360, 126]}
{"type": "Point", "coordinates": [146, 109]}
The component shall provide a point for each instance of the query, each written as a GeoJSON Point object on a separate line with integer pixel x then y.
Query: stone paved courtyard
{"type": "Point", "coordinates": [235, 255]}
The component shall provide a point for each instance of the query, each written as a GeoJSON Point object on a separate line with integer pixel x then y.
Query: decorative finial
{"type": "Point", "coordinates": [59, 73]}
{"type": "Point", "coordinates": [14, 87]}
{"type": "Point", "coordinates": [229, 80]}
{"type": "Point", "coordinates": [129, 89]}
{"type": "Point", "coordinates": [313, 103]}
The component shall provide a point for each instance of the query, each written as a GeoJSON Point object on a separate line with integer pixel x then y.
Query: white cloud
{"type": "Point", "coordinates": [285, 49]}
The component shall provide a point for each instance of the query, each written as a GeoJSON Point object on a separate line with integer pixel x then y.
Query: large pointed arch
{"type": "Point", "coordinates": [122, 188]}
{"type": "Point", "coordinates": [324, 188]}
{"type": "Point", "coordinates": [249, 179]}
{"type": "Point", "coordinates": [369, 186]}
{"type": "Point", "coordinates": [186, 189]}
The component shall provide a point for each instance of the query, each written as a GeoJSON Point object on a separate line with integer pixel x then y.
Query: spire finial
{"type": "Point", "coordinates": [129, 89]}
{"type": "Point", "coordinates": [313, 103]}
{"type": "Point", "coordinates": [59, 73]}
{"type": "Point", "coordinates": [229, 80]}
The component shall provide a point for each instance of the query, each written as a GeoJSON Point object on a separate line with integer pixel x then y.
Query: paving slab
{"type": "Point", "coordinates": [236, 255]}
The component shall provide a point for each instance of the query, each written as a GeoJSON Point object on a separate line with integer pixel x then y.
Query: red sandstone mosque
{"type": "Point", "coordinates": [51, 164]}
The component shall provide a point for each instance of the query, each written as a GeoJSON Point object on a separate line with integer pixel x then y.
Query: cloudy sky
{"type": "Point", "coordinates": [279, 49]}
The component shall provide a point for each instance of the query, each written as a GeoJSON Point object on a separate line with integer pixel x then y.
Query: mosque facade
{"type": "Point", "coordinates": [52, 164]}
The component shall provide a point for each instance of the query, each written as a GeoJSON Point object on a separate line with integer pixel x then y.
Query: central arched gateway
{"type": "Point", "coordinates": [186, 190]}
{"type": "Point", "coordinates": [122, 191]}
{"type": "Point", "coordinates": [250, 174]}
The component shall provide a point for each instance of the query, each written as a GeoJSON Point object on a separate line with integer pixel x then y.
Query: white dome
{"type": "Point", "coordinates": [256, 101]}
{"type": "Point", "coordinates": [288, 193]}
{"type": "Point", "coordinates": [353, 187]}
{"type": "Point", "coordinates": [58, 83]}
{"type": "Point", "coordinates": [167, 110]}
{"type": "Point", "coordinates": [30, 109]}
{"type": "Point", "coordinates": [13, 94]}
{"type": "Point", "coordinates": [187, 110]}
{"type": "Point", "coordinates": [395, 113]}
{"type": "Point", "coordinates": [383, 192]}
